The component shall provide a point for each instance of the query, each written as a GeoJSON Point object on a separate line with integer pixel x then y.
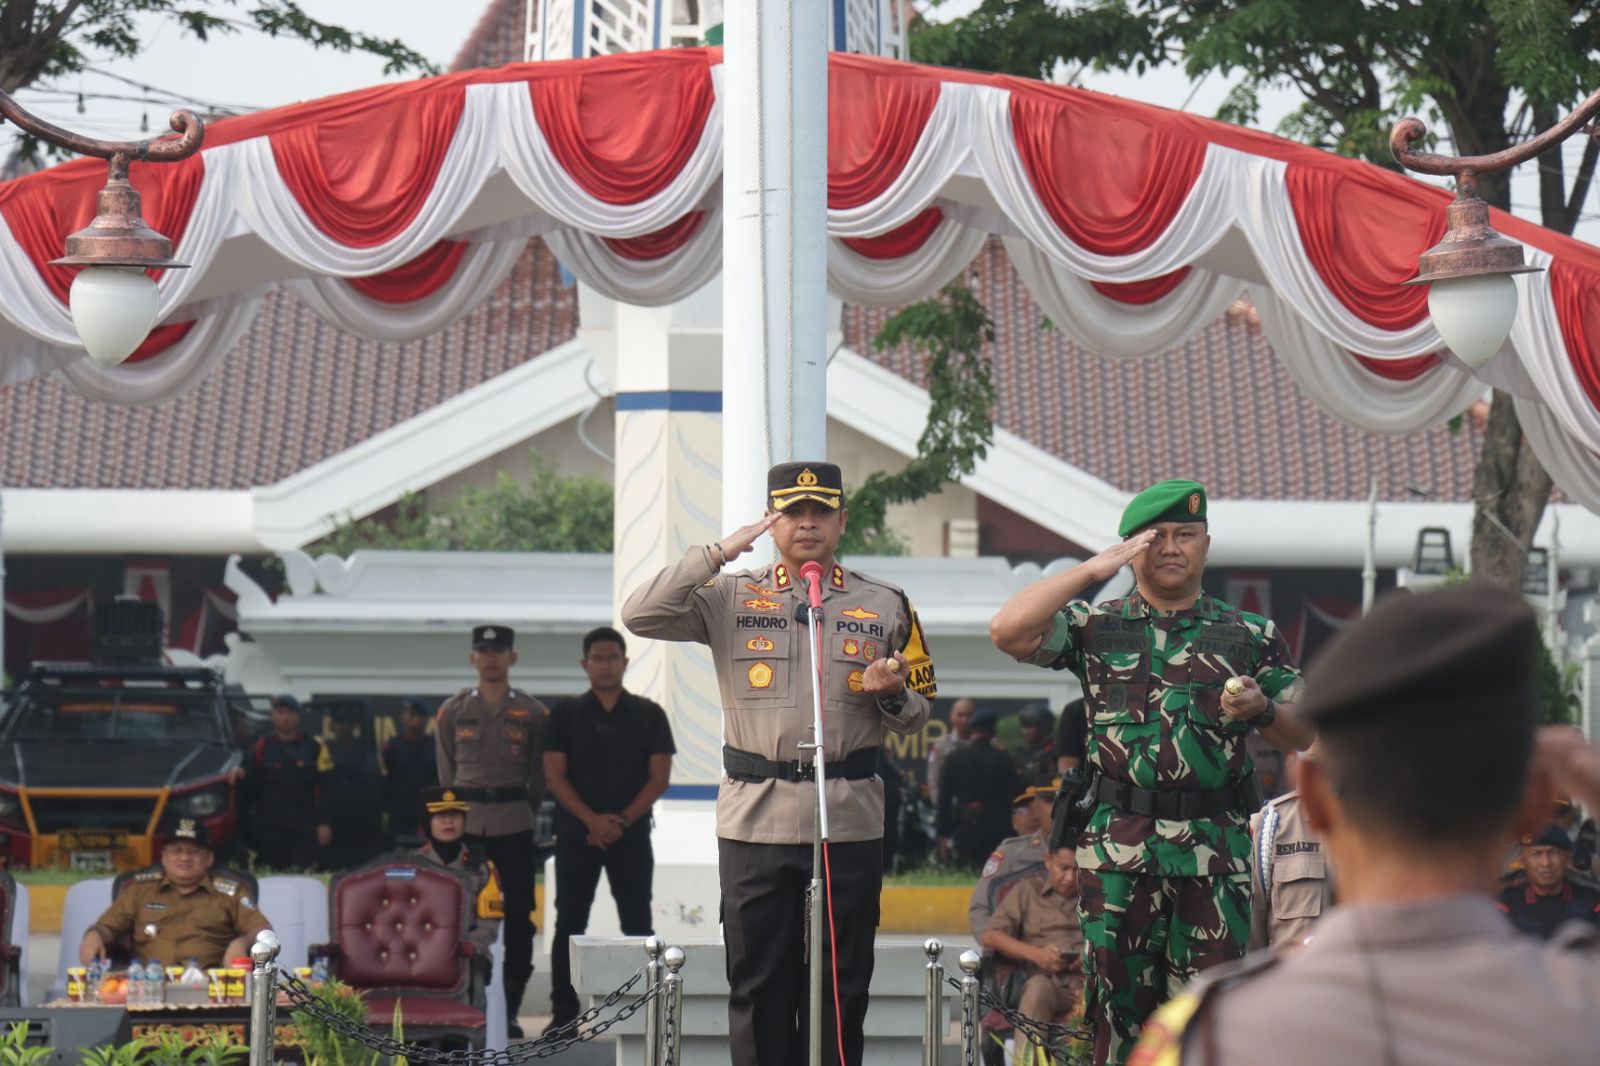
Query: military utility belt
{"type": "Point", "coordinates": [748, 766]}
{"type": "Point", "coordinates": [492, 795]}
{"type": "Point", "coordinates": [1245, 796]}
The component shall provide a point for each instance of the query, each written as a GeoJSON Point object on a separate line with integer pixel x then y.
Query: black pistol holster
{"type": "Point", "coordinates": [1075, 804]}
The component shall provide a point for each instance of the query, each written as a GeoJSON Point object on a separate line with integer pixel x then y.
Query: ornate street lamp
{"type": "Point", "coordinates": [113, 300]}
{"type": "Point", "coordinates": [1473, 298]}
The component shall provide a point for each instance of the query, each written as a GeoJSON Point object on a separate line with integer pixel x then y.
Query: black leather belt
{"type": "Point", "coordinates": [492, 795]}
{"type": "Point", "coordinates": [748, 766]}
{"type": "Point", "coordinates": [1171, 804]}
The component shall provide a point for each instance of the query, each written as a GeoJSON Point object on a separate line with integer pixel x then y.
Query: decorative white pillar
{"type": "Point", "coordinates": [774, 190]}
{"type": "Point", "coordinates": [664, 363]}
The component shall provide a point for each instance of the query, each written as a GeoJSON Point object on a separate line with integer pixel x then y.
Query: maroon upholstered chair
{"type": "Point", "coordinates": [399, 927]}
{"type": "Point", "coordinates": [10, 954]}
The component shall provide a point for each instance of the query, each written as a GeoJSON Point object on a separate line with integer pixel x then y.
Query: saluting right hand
{"type": "Point", "coordinates": [1105, 565]}
{"type": "Point", "coordinates": [742, 539]}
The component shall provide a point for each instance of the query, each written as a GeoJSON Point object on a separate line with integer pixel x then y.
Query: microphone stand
{"type": "Point", "coordinates": [817, 911]}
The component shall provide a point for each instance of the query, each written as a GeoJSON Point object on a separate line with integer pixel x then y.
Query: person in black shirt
{"type": "Point", "coordinates": [352, 790]}
{"type": "Point", "coordinates": [1548, 894]}
{"type": "Point", "coordinates": [976, 785]}
{"type": "Point", "coordinates": [1071, 736]}
{"type": "Point", "coordinates": [607, 759]}
{"type": "Point", "coordinates": [284, 777]}
{"type": "Point", "coordinates": [409, 769]}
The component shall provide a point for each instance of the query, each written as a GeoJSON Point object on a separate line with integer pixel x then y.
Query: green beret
{"type": "Point", "coordinates": [1165, 501]}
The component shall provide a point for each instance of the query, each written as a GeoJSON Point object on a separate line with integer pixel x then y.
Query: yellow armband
{"type": "Point", "coordinates": [491, 905]}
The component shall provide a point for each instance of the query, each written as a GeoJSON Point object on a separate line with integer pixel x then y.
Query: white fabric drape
{"type": "Point", "coordinates": [891, 282]}
{"type": "Point", "coordinates": [43, 616]}
{"type": "Point", "coordinates": [172, 373]}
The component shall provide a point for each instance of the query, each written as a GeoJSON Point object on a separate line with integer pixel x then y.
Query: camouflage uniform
{"type": "Point", "coordinates": [1162, 899]}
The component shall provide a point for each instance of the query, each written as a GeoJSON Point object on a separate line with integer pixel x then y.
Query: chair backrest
{"type": "Point", "coordinates": [297, 907]}
{"type": "Point", "coordinates": [86, 901]}
{"type": "Point", "coordinates": [400, 925]}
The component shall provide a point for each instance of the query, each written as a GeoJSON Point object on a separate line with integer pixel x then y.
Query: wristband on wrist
{"type": "Point", "coordinates": [625, 820]}
{"type": "Point", "coordinates": [892, 704]}
{"type": "Point", "coordinates": [722, 555]}
{"type": "Point", "coordinates": [1268, 716]}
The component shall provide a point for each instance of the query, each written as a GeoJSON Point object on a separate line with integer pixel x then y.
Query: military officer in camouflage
{"type": "Point", "coordinates": [877, 676]}
{"type": "Point", "coordinates": [1175, 680]}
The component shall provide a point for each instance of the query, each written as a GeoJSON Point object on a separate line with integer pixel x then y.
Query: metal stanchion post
{"type": "Point", "coordinates": [652, 1009]}
{"type": "Point", "coordinates": [672, 1016]}
{"type": "Point", "coordinates": [932, 1030]}
{"type": "Point", "coordinates": [263, 996]}
{"type": "Point", "coordinates": [971, 1036]}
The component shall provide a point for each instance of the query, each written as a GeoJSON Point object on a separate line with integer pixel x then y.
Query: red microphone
{"type": "Point", "coordinates": [811, 574]}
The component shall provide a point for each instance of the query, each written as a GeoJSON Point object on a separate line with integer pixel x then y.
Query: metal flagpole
{"type": "Point", "coordinates": [817, 910]}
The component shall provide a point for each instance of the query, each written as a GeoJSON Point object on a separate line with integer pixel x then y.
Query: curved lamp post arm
{"type": "Point", "coordinates": [186, 123]}
{"type": "Point", "coordinates": [1466, 168]}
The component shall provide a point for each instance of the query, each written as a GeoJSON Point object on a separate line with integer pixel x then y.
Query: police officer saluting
{"type": "Point", "coordinates": [875, 663]}
{"type": "Point", "coordinates": [1174, 680]}
{"type": "Point", "coordinates": [488, 751]}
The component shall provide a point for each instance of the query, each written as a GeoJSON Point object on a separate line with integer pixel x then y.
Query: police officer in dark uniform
{"type": "Point", "coordinates": [488, 741]}
{"type": "Point", "coordinates": [976, 785]}
{"type": "Point", "coordinates": [409, 768]}
{"type": "Point", "coordinates": [1038, 755]}
{"type": "Point", "coordinates": [352, 790]}
{"type": "Point", "coordinates": [284, 778]}
{"type": "Point", "coordinates": [1547, 893]}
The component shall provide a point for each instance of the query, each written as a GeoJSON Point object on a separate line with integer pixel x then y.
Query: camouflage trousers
{"type": "Point", "coordinates": [1145, 937]}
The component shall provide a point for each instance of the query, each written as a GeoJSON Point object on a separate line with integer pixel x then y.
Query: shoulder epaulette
{"type": "Point", "coordinates": [148, 875]}
{"type": "Point", "coordinates": [227, 886]}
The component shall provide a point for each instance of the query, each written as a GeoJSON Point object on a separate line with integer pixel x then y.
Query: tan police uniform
{"type": "Point", "coordinates": [490, 755]}
{"type": "Point", "coordinates": [1290, 883]}
{"type": "Point", "coordinates": [1014, 858]}
{"type": "Point", "coordinates": [170, 926]}
{"type": "Point", "coordinates": [1035, 913]}
{"type": "Point", "coordinates": [487, 905]}
{"type": "Point", "coordinates": [1434, 983]}
{"type": "Point", "coordinates": [758, 631]}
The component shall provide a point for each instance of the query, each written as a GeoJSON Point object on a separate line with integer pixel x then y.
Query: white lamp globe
{"type": "Point", "coordinates": [1473, 314]}
{"type": "Point", "coordinates": [113, 309]}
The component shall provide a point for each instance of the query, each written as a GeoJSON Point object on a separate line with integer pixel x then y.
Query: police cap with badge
{"type": "Point", "coordinates": [789, 483]}
{"type": "Point", "coordinates": [440, 799]}
{"type": "Point", "coordinates": [484, 637]}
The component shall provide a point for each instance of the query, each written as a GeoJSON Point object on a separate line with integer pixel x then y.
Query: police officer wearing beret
{"type": "Point", "coordinates": [1416, 965]}
{"type": "Point", "coordinates": [877, 676]}
{"type": "Point", "coordinates": [488, 741]}
{"type": "Point", "coordinates": [1547, 894]}
{"type": "Point", "coordinates": [1174, 680]}
{"type": "Point", "coordinates": [285, 773]}
{"type": "Point", "coordinates": [181, 910]}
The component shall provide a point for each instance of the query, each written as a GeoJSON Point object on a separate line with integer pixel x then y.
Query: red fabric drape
{"type": "Point", "coordinates": [900, 241]}
{"type": "Point", "coordinates": [415, 280]}
{"type": "Point", "coordinates": [875, 118]}
{"type": "Point", "coordinates": [357, 186]}
{"type": "Point", "coordinates": [1399, 369]}
{"type": "Point", "coordinates": [1362, 231]}
{"type": "Point", "coordinates": [1573, 290]}
{"type": "Point", "coordinates": [161, 338]}
{"type": "Point", "coordinates": [624, 130]}
{"type": "Point", "coordinates": [1109, 176]}
{"type": "Point", "coordinates": [41, 223]}
{"type": "Point", "coordinates": [1141, 292]}
{"type": "Point", "coordinates": [662, 242]}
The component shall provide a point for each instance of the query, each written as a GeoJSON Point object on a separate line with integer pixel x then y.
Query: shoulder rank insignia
{"type": "Point", "coordinates": [149, 875]}
{"type": "Point", "coordinates": [226, 887]}
{"type": "Point", "coordinates": [837, 577]}
{"type": "Point", "coordinates": [780, 576]}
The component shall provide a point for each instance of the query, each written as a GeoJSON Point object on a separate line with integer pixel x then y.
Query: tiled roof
{"type": "Point", "coordinates": [294, 390]}
{"type": "Point", "coordinates": [1220, 409]}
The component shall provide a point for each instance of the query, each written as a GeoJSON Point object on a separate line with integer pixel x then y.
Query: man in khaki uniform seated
{"type": "Point", "coordinates": [1037, 925]}
{"type": "Point", "coordinates": [1415, 965]}
{"type": "Point", "coordinates": [180, 911]}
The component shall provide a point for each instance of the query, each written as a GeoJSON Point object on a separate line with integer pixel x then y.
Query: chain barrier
{"type": "Point", "coordinates": [1049, 1035]}
{"type": "Point", "coordinates": [554, 1042]}
{"type": "Point", "coordinates": [669, 1028]}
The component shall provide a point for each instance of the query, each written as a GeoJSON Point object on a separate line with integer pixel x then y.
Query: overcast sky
{"type": "Point", "coordinates": [250, 71]}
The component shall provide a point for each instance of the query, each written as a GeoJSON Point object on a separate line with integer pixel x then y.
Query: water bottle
{"type": "Point", "coordinates": [136, 992]}
{"type": "Point", "coordinates": [319, 970]}
{"type": "Point", "coordinates": [155, 984]}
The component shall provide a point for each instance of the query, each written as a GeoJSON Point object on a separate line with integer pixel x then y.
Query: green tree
{"type": "Point", "coordinates": [952, 330]}
{"type": "Point", "coordinates": [1490, 72]}
{"type": "Point", "coordinates": [46, 39]}
{"type": "Point", "coordinates": [550, 513]}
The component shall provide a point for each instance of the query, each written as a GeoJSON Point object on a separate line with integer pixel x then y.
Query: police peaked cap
{"type": "Point", "coordinates": [493, 636]}
{"type": "Point", "coordinates": [440, 800]}
{"type": "Point", "coordinates": [789, 483]}
{"type": "Point", "coordinates": [1457, 656]}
